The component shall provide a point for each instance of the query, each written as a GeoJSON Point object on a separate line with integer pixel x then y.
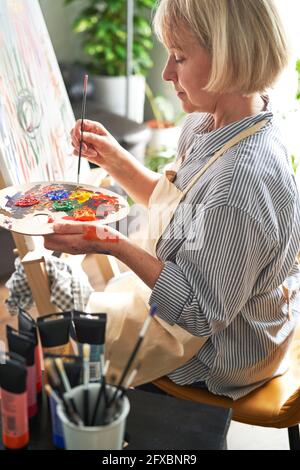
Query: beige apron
{"type": "Point", "coordinates": [165, 347]}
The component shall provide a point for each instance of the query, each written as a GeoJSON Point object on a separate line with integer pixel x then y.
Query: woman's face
{"type": "Point", "coordinates": [188, 67]}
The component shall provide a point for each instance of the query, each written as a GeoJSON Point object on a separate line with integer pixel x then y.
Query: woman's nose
{"type": "Point", "coordinates": [169, 74]}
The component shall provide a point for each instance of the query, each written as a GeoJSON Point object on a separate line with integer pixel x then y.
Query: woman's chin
{"type": "Point", "coordinates": [188, 107]}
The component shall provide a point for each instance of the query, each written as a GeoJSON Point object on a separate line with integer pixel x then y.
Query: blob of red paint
{"type": "Point", "coordinates": [91, 235]}
{"type": "Point", "coordinates": [27, 201]}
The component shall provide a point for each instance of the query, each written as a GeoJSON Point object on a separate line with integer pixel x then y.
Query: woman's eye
{"type": "Point", "coordinates": [178, 60]}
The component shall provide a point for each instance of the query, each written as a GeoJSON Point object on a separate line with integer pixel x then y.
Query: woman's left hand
{"type": "Point", "coordinates": [83, 238]}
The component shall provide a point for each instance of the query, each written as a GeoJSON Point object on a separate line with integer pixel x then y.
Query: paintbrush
{"type": "Point", "coordinates": [85, 83]}
{"type": "Point", "coordinates": [62, 374]}
{"type": "Point", "coordinates": [111, 412]}
{"type": "Point", "coordinates": [52, 376]}
{"type": "Point", "coordinates": [55, 380]}
{"type": "Point", "coordinates": [51, 393]}
{"type": "Point", "coordinates": [67, 388]}
{"type": "Point", "coordinates": [102, 391]}
{"type": "Point", "coordinates": [137, 346]}
{"type": "Point", "coordinates": [86, 379]}
{"type": "Point", "coordinates": [129, 381]}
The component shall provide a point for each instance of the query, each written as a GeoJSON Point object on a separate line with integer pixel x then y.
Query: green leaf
{"type": "Point", "coordinates": [84, 23]}
{"type": "Point", "coordinates": [142, 26]}
{"type": "Point", "coordinates": [147, 44]}
{"type": "Point", "coordinates": [116, 7]}
{"type": "Point", "coordinates": [146, 3]}
{"type": "Point", "coordinates": [109, 55]}
{"type": "Point", "coordinates": [295, 163]}
{"type": "Point", "coordinates": [121, 51]}
{"type": "Point", "coordinates": [92, 49]}
{"type": "Point", "coordinates": [121, 35]}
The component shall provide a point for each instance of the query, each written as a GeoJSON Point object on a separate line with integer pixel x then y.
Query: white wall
{"type": "Point", "coordinates": [59, 19]}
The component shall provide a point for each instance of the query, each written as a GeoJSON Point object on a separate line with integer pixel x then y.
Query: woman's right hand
{"type": "Point", "coordinates": [99, 146]}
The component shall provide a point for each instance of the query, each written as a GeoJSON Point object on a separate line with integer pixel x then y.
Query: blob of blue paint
{"type": "Point", "coordinates": [57, 195]}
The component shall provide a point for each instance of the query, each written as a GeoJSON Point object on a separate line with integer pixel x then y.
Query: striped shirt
{"type": "Point", "coordinates": [222, 273]}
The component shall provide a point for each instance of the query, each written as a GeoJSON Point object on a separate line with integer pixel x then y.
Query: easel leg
{"type": "Point", "coordinates": [39, 284]}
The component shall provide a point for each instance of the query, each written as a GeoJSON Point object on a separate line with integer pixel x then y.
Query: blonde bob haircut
{"type": "Point", "coordinates": [245, 39]}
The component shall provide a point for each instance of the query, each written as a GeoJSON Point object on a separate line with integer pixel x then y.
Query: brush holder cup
{"type": "Point", "coordinates": [108, 430]}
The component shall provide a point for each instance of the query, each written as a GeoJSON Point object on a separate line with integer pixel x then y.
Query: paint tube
{"type": "Point", "coordinates": [90, 329]}
{"type": "Point", "coordinates": [73, 368]}
{"type": "Point", "coordinates": [24, 345]}
{"type": "Point", "coordinates": [15, 428]}
{"type": "Point", "coordinates": [54, 330]}
{"type": "Point", "coordinates": [27, 324]}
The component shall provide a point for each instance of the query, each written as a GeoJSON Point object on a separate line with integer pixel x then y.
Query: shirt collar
{"type": "Point", "coordinates": [211, 141]}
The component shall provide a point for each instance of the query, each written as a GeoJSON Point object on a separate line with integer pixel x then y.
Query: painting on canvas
{"type": "Point", "coordinates": [35, 113]}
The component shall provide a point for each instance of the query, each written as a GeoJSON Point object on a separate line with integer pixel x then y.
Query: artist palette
{"type": "Point", "coordinates": [32, 209]}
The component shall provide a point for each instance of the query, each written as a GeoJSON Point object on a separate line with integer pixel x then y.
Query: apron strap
{"type": "Point", "coordinates": [235, 140]}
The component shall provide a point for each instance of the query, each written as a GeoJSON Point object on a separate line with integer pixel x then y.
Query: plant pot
{"type": "Point", "coordinates": [110, 94]}
{"type": "Point", "coordinates": [166, 137]}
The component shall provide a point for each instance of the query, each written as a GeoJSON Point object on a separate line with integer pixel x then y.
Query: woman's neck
{"type": "Point", "coordinates": [231, 108]}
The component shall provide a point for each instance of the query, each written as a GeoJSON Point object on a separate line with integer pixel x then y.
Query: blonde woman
{"type": "Point", "coordinates": [228, 276]}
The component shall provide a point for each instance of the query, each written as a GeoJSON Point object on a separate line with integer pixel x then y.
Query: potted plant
{"type": "Point", "coordinates": [165, 126]}
{"type": "Point", "coordinates": [103, 26]}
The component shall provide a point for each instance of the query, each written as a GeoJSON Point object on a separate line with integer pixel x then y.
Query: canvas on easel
{"type": "Point", "coordinates": [35, 119]}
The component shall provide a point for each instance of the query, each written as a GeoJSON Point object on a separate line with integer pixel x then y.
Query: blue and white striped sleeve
{"type": "Point", "coordinates": [214, 273]}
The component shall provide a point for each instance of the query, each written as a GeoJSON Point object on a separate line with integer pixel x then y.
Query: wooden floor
{"type": "Point", "coordinates": [90, 267]}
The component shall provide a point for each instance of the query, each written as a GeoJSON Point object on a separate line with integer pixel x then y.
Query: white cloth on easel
{"type": "Point", "coordinates": [69, 288]}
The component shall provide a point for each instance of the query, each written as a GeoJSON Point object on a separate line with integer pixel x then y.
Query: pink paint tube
{"type": "Point", "coordinates": [23, 344]}
{"type": "Point", "coordinates": [13, 372]}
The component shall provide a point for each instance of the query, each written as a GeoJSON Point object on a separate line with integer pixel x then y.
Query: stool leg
{"type": "Point", "coordinates": [294, 437]}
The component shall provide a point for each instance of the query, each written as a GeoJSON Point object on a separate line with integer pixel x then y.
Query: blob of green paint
{"type": "Point", "coordinates": [63, 206]}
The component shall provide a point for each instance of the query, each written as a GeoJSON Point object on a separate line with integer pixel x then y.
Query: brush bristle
{"type": "Point", "coordinates": [59, 363]}
{"type": "Point", "coordinates": [48, 389]}
{"type": "Point", "coordinates": [48, 364]}
{"type": "Point", "coordinates": [51, 372]}
{"type": "Point", "coordinates": [86, 352]}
